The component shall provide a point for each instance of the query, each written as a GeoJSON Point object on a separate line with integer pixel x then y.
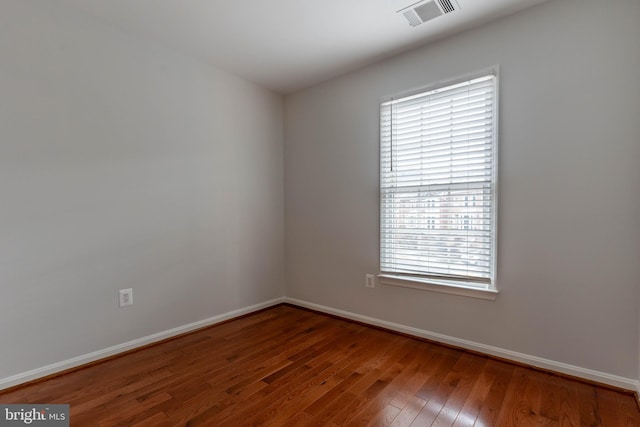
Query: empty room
{"type": "Point", "coordinates": [346, 212]}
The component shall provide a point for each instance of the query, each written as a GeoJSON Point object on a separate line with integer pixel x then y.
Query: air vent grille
{"type": "Point", "coordinates": [424, 11]}
{"type": "Point", "coordinates": [447, 6]}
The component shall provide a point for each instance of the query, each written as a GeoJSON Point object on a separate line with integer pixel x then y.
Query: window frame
{"type": "Point", "coordinates": [450, 286]}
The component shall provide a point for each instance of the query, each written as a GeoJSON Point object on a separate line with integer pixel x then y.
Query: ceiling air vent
{"type": "Point", "coordinates": [421, 12]}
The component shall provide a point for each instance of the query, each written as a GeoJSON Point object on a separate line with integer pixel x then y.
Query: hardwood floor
{"type": "Point", "coordinates": [286, 366]}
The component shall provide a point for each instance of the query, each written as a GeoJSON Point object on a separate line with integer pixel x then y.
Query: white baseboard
{"type": "Point", "coordinates": [551, 365]}
{"type": "Point", "coordinates": [130, 345]}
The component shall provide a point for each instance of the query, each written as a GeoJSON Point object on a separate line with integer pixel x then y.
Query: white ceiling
{"type": "Point", "coordinates": [286, 45]}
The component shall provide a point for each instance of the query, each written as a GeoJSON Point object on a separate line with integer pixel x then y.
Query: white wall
{"type": "Point", "coordinates": [569, 236]}
{"type": "Point", "coordinates": [124, 164]}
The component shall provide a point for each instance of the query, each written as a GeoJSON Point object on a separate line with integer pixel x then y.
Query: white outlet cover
{"type": "Point", "coordinates": [370, 281]}
{"type": "Point", "coordinates": [125, 297]}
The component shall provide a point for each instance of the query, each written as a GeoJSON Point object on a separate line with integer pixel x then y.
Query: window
{"type": "Point", "coordinates": [438, 152]}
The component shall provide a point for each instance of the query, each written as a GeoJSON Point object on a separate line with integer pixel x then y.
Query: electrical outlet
{"type": "Point", "coordinates": [369, 281]}
{"type": "Point", "coordinates": [126, 297]}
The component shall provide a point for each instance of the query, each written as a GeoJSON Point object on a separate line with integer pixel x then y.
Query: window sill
{"type": "Point", "coordinates": [437, 286]}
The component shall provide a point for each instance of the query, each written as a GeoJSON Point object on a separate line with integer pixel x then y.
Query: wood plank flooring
{"type": "Point", "coordinates": [291, 367]}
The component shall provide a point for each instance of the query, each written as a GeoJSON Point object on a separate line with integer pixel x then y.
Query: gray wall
{"type": "Point", "coordinates": [123, 164]}
{"type": "Point", "coordinates": [569, 204]}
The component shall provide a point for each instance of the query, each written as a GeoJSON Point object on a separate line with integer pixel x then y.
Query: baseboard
{"type": "Point", "coordinates": [130, 345]}
{"type": "Point", "coordinates": [538, 362]}
{"type": "Point", "coordinates": [551, 365]}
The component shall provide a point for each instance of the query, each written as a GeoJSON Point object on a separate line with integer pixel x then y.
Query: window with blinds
{"type": "Point", "coordinates": [438, 184]}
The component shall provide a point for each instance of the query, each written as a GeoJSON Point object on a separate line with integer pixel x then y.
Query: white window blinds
{"type": "Point", "coordinates": [438, 169]}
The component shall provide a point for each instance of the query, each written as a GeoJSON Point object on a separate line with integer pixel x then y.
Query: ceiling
{"type": "Point", "coordinates": [287, 45]}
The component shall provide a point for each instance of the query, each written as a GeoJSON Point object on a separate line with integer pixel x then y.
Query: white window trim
{"type": "Point", "coordinates": [442, 286]}
{"type": "Point", "coordinates": [445, 286]}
